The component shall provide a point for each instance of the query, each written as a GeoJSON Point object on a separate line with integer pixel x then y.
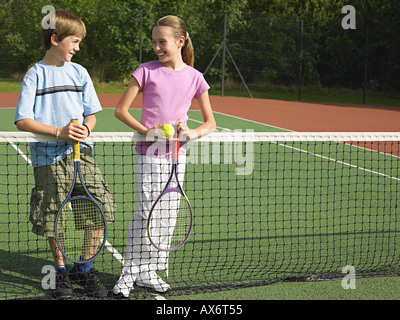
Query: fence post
{"type": "Point", "coordinates": [223, 57]}
{"type": "Point", "coordinates": [366, 62]}
{"type": "Point", "coordinates": [301, 56]}
{"type": "Point", "coordinates": [141, 36]}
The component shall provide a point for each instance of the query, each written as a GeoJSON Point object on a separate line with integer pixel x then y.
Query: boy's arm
{"type": "Point", "coordinates": [90, 122]}
{"type": "Point", "coordinates": [31, 125]}
{"type": "Point", "coordinates": [72, 131]}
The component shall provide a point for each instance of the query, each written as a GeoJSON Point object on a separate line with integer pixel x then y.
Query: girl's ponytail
{"type": "Point", "coordinates": [187, 52]}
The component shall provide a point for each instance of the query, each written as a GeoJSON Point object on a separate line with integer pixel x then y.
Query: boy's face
{"type": "Point", "coordinates": [66, 48]}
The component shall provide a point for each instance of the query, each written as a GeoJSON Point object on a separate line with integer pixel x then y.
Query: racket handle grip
{"type": "Point", "coordinates": [175, 147]}
{"type": "Point", "coordinates": [75, 145]}
{"type": "Point", "coordinates": [175, 151]}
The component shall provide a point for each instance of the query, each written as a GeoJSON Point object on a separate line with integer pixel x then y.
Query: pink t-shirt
{"type": "Point", "coordinates": [167, 94]}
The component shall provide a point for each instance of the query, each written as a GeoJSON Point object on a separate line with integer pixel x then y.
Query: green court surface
{"type": "Point", "coordinates": [264, 245]}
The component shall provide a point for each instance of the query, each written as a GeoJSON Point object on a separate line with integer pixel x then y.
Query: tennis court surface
{"type": "Point", "coordinates": [269, 204]}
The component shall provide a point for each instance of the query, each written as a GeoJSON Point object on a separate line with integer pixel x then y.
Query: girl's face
{"type": "Point", "coordinates": [167, 47]}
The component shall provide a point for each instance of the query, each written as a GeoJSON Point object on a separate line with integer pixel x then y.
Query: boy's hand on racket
{"type": "Point", "coordinates": [74, 132]}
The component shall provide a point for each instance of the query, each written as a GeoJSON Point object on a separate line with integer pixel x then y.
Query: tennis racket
{"type": "Point", "coordinates": [80, 225]}
{"type": "Point", "coordinates": [170, 219]}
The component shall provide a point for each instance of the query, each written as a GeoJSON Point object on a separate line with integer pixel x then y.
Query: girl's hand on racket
{"type": "Point", "coordinates": [155, 133]}
{"type": "Point", "coordinates": [185, 133]}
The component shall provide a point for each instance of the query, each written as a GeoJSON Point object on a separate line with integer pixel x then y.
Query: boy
{"type": "Point", "coordinates": [54, 91]}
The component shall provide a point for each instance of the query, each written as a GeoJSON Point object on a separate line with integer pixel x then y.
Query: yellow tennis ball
{"type": "Point", "coordinates": [167, 130]}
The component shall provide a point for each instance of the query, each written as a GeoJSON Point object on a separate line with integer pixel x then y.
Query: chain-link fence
{"type": "Point", "coordinates": [246, 51]}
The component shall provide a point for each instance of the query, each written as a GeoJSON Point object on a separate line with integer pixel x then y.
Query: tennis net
{"type": "Point", "coordinates": [267, 207]}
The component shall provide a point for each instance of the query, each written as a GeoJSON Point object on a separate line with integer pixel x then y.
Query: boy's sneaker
{"type": "Point", "coordinates": [63, 285]}
{"type": "Point", "coordinates": [89, 281]}
{"type": "Point", "coordinates": [151, 280]}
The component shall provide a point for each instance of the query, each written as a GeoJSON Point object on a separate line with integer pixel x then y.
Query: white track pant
{"type": "Point", "coordinates": [151, 177]}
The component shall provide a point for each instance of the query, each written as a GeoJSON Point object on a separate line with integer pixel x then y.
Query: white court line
{"type": "Point", "coordinates": [338, 161]}
{"type": "Point", "coordinates": [312, 153]}
{"type": "Point", "coordinates": [114, 252]}
{"type": "Point", "coordinates": [239, 118]}
{"type": "Point", "coordinates": [198, 121]}
{"type": "Point", "coordinates": [23, 155]}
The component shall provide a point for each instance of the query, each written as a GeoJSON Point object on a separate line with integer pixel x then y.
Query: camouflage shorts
{"type": "Point", "coordinates": [52, 184]}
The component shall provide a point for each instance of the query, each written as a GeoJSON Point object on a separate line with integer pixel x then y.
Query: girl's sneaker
{"type": "Point", "coordinates": [124, 285]}
{"type": "Point", "coordinates": [151, 280]}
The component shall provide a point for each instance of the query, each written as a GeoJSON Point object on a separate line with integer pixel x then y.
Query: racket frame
{"type": "Point", "coordinates": [168, 189]}
{"type": "Point", "coordinates": [69, 198]}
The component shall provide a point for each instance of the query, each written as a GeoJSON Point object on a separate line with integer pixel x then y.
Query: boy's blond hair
{"type": "Point", "coordinates": [66, 23]}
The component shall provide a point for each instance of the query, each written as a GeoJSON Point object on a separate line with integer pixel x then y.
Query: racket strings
{"type": "Point", "coordinates": [80, 228]}
{"type": "Point", "coordinates": [170, 221]}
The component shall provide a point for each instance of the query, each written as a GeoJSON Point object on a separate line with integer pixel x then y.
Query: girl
{"type": "Point", "coordinates": [168, 86]}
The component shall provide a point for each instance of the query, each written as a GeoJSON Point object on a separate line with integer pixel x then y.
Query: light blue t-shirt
{"type": "Point", "coordinates": [54, 96]}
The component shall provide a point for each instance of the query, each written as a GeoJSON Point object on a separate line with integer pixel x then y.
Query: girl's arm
{"type": "Point", "coordinates": [209, 124]}
{"type": "Point", "coordinates": [122, 109]}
